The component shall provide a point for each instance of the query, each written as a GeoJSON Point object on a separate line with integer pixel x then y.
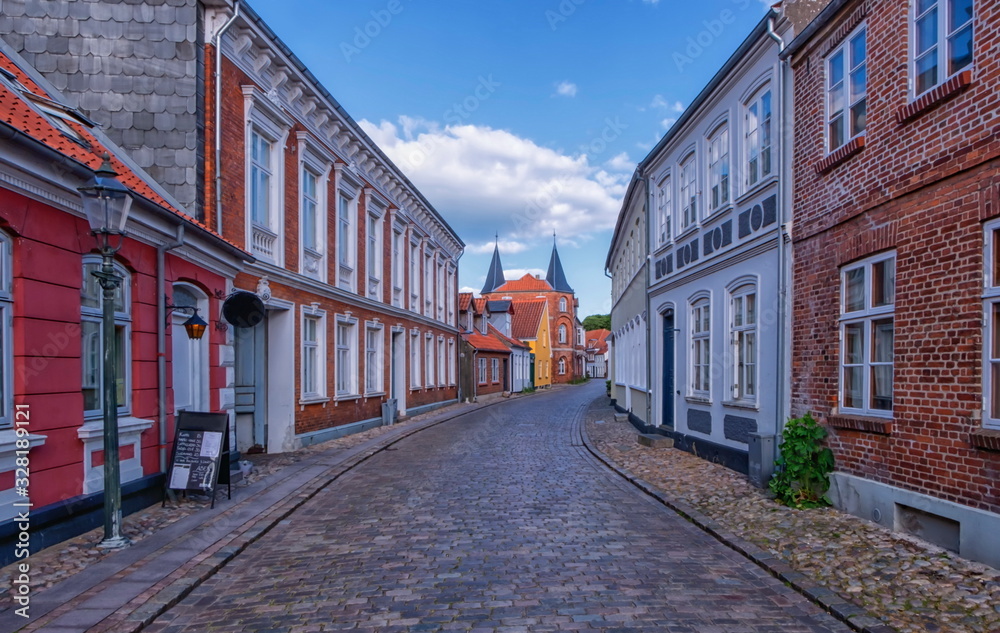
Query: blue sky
{"type": "Point", "coordinates": [517, 117]}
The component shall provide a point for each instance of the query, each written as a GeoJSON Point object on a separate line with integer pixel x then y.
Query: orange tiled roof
{"type": "Point", "coordinates": [506, 339]}
{"type": "Point", "coordinates": [485, 343]}
{"type": "Point", "coordinates": [528, 283]}
{"type": "Point", "coordinates": [16, 110]}
{"type": "Point", "coordinates": [464, 301]}
{"type": "Point", "coordinates": [598, 339]}
{"type": "Point", "coordinates": [479, 304]}
{"type": "Point", "coordinates": [527, 317]}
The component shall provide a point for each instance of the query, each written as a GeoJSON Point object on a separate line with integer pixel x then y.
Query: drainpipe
{"type": "Point", "coordinates": [784, 205]}
{"type": "Point", "coordinates": [649, 315]}
{"type": "Point", "coordinates": [218, 114]}
{"type": "Point", "coordinates": [161, 342]}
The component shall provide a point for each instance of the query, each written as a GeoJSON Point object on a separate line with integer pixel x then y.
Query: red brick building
{"type": "Point", "coordinates": [50, 318]}
{"type": "Point", "coordinates": [896, 338]}
{"type": "Point", "coordinates": [567, 348]}
{"type": "Point", "coordinates": [357, 270]}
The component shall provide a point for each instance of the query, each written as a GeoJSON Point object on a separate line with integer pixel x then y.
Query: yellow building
{"type": "Point", "coordinates": [531, 325]}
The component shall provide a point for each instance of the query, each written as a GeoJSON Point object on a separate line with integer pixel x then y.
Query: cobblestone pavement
{"type": "Point", "coordinates": [496, 521]}
{"type": "Point", "coordinates": [908, 584]}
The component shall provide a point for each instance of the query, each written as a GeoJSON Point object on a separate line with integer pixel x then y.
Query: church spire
{"type": "Point", "coordinates": [494, 278]}
{"type": "Point", "coordinates": [555, 276]}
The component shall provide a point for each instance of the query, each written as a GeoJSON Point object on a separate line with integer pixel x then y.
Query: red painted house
{"type": "Point", "coordinates": [50, 327]}
{"type": "Point", "coordinates": [896, 337]}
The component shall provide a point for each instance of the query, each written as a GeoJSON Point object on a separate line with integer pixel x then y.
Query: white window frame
{"type": "Point", "coordinates": [867, 316]}
{"type": "Point", "coordinates": [346, 359]}
{"type": "Point", "coordinates": [562, 334]}
{"type": "Point", "coordinates": [664, 200]}
{"type": "Point", "coordinates": [416, 361]}
{"type": "Point", "coordinates": [562, 304]}
{"type": "Point", "coordinates": [991, 331]}
{"type": "Point", "coordinates": [317, 348]}
{"type": "Point", "coordinates": [719, 169]}
{"type": "Point", "coordinates": [374, 242]}
{"type": "Point", "coordinates": [415, 276]}
{"type": "Point", "coordinates": [312, 160]}
{"type": "Point", "coordinates": [688, 192]}
{"type": "Point", "coordinates": [452, 363]}
{"type": "Point", "coordinates": [346, 212]}
{"type": "Point", "coordinates": [429, 259]}
{"type": "Point", "coordinates": [700, 365]}
{"type": "Point", "coordinates": [451, 299]}
{"type": "Point", "coordinates": [853, 100]}
{"type": "Point", "coordinates": [758, 119]}
{"type": "Point", "coordinates": [374, 358]}
{"type": "Point", "coordinates": [429, 379]}
{"type": "Point", "coordinates": [562, 366]}
{"type": "Point", "coordinates": [944, 33]}
{"type": "Point", "coordinates": [398, 265]}
{"type": "Point", "coordinates": [495, 370]}
{"type": "Point", "coordinates": [266, 239]}
{"type": "Point", "coordinates": [482, 371]}
{"type": "Point", "coordinates": [123, 319]}
{"type": "Point", "coordinates": [744, 333]}
{"type": "Point", "coordinates": [439, 289]}
{"type": "Point", "coordinates": [442, 365]}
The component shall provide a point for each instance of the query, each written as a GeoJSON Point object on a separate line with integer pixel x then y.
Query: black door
{"type": "Point", "coordinates": [668, 369]}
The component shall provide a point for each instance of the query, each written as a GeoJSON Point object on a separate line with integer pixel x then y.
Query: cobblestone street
{"type": "Point", "coordinates": [497, 521]}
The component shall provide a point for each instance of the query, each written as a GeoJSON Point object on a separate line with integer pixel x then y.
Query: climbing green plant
{"type": "Point", "coordinates": [801, 477]}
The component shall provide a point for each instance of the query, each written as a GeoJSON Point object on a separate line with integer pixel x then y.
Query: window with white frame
{"type": "Point", "coordinates": [415, 360]}
{"type": "Point", "coordinates": [757, 116]}
{"type": "Point", "coordinates": [374, 367]}
{"type": "Point", "coordinates": [688, 191]}
{"type": "Point", "coordinates": [415, 276]}
{"type": "Point", "coordinates": [439, 290]}
{"type": "Point", "coordinates": [701, 347]}
{"type": "Point", "coordinates": [495, 366]}
{"type": "Point", "coordinates": [398, 267]}
{"type": "Point", "coordinates": [562, 366]}
{"type": "Point", "coordinates": [482, 371]}
{"type": "Point", "coordinates": [847, 87]}
{"type": "Point", "coordinates": [92, 326]}
{"type": "Point", "coordinates": [663, 211]}
{"type": "Point", "coordinates": [6, 316]}
{"type": "Point", "coordinates": [441, 363]}
{"type": "Point", "coordinates": [346, 212]}
{"type": "Point", "coordinates": [942, 41]}
{"type": "Point", "coordinates": [347, 357]}
{"type": "Point", "coordinates": [868, 291]}
{"type": "Point", "coordinates": [374, 256]}
{"type": "Point", "coordinates": [429, 360]}
{"type": "Point", "coordinates": [562, 304]}
{"type": "Point", "coordinates": [313, 354]}
{"type": "Point", "coordinates": [991, 347]}
{"type": "Point", "coordinates": [451, 295]}
{"type": "Point", "coordinates": [452, 362]}
{"type": "Point", "coordinates": [428, 283]}
{"type": "Point", "coordinates": [562, 333]}
{"type": "Point", "coordinates": [310, 210]}
{"type": "Point", "coordinates": [266, 132]}
{"type": "Point", "coordinates": [718, 168]}
{"type": "Point", "coordinates": [743, 342]}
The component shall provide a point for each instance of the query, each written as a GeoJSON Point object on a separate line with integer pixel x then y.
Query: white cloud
{"type": "Point", "coordinates": [661, 103]}
{"type": "Point", "coordinates": [468, 289]}
{"type": "Point", "coordinates": [566, 89]}
{"type": "Point", "coordinates": [621, 162]}
{"type": "Point", "coordinates": [507, 247]}
{"type": "Point", "coordinates": [517, 273]}
{"type": "Point", "coordinates": [484, 180]}
{"type": "Point", "coordinates": [667, 122]}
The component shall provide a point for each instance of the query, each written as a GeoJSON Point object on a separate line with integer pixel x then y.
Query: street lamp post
{"type": "Point", "coordinates": [107, 203]}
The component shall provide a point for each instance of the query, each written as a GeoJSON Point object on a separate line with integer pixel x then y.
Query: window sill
{"type": "Point", "coordinates": [686, 233]}
{"type": "Point", "coordinates": [717, 213]}
{"type": "Point", "coordinates": [8, 447]}
{"type": "Point", "coordinates": [934, 97]}
{"type": "Point", "coordinates": [737, 404]}
{"type": "Point", "coordinates": [304, 400]}
{"type": "Point", "coordinates": [841, 154]}
{"type": "Point", "coordinates": [985, 439]}
{"type": "Point", "coordinates": [347, 398]}
{"type": "Point", "coordinates": [698, 400]}
{"type": "Point", "coordinates": [878, 426]}
{"type": "Point", "coordinates": [756, 188]}
{"type": "Point", "coordinates": [375, 394]}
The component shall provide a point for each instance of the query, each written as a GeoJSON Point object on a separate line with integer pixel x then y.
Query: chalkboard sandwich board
{"type": "Point", "coordinates": [200, 458]}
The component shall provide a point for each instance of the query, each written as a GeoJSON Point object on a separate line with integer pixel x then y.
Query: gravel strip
{"type": "Point", "coordinates": [910, 585]}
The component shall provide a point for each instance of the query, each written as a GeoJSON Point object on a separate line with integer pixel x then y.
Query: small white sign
{"type": "Point", "coordinates": [179, 476]}
{"type": "Point", "coordinates": [211, 444]}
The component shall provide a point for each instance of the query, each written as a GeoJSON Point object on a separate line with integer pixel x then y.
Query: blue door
{"type": "Point", "coordinates": [668, 369]}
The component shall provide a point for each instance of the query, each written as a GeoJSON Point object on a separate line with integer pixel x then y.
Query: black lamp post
{"type": "Point", "coordinates": [107, 202]}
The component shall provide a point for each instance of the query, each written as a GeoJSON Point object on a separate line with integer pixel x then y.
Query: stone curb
{"type": "Point", "coordinates": [847, 612]}
{"type": "Point", "coordinates": [138, 618]}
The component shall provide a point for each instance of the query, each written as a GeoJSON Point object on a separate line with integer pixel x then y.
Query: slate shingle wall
{"type": "Point", "coordinates": [133, 66]}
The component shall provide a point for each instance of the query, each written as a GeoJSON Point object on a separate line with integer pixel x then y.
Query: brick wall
{"type": "Point", "coordinates": [921, 186]}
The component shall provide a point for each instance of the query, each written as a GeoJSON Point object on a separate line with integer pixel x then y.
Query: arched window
{"type": "Point", "coordinates": [562, 304]}
{"type": "Point", "coordinates": [189, 361]}
{"type": "Point", "coordinates": [688, 191]}
{"type": "Point", "coordinates": [562, 366]}
{"type": "Point", "coordinates": [701, 347]}
{"type": "Point", "coordinates": [91, 326]}
{"type": "Point", "coordinates": [562, 333]}
{"type": "Point", "coordinates": [718, 168]}
{"type": "Point", "coordinates": [743, 339]}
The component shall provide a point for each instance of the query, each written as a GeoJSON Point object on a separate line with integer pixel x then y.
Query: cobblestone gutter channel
{"type": "Point", "coordinates": [874, 580]}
